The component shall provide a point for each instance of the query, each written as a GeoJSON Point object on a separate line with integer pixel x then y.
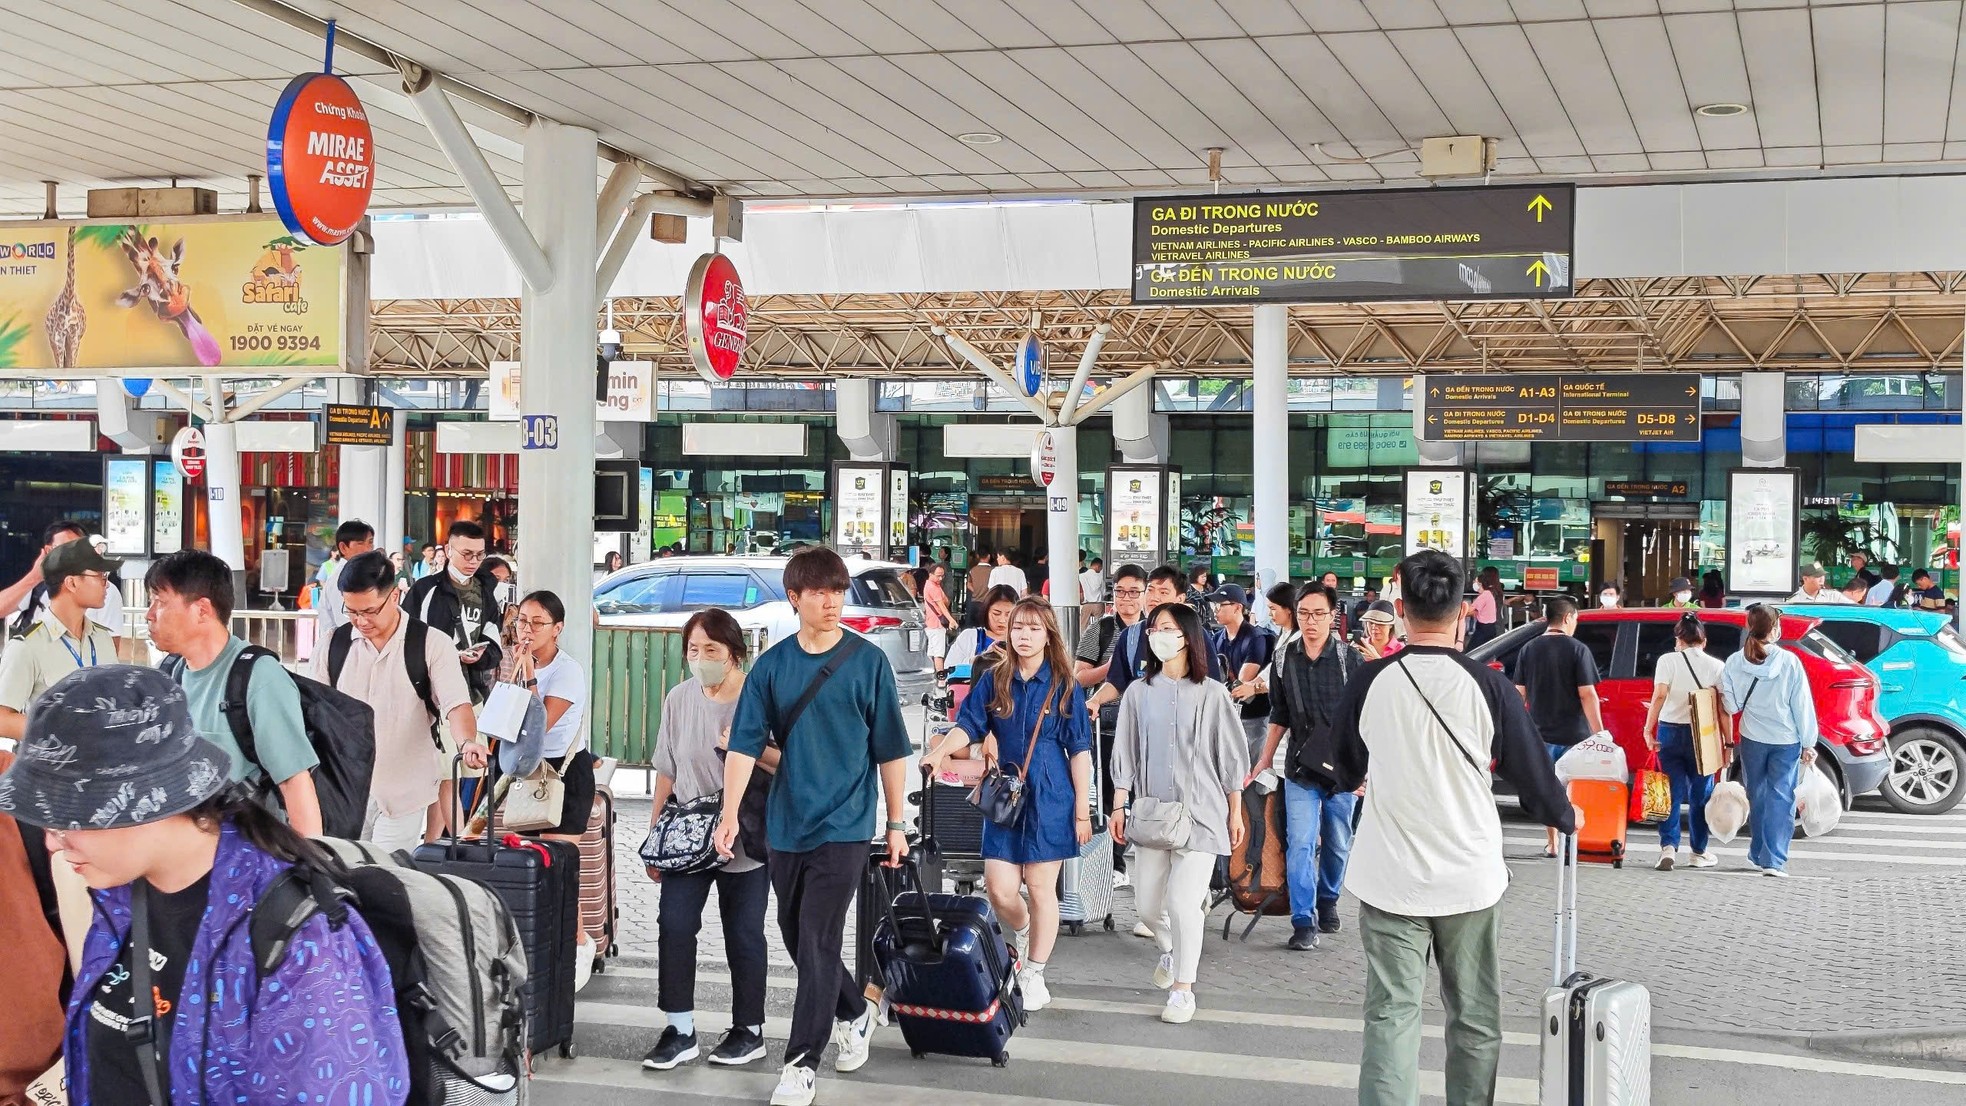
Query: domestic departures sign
{"type": "Point", "coordinates": [1555, 407]}
{"type": "Point", "coordinates": [1404, 244]}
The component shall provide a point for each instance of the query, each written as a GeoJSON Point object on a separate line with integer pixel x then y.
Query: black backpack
{"type": "Point", "coordinates": [340, 728]}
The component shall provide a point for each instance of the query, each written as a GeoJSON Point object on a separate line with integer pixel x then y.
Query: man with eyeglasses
{"type": "Point", "coordinates": [64, 639]}
{"type": "Point", "coordinates": [461, 602]}
{"type": "Point", "coordinates": [412, 678]}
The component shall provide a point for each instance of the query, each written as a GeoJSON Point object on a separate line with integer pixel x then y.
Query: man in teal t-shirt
{"type": "Point", "coordinates": [821, 813]}
{"type": "Point", "coordinates": [190, 615]}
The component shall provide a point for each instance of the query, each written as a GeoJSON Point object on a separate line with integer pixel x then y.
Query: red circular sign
{"type": "Point", "coordinates": [715, 317]}
{"type": "Point", "coordinates": [320, 158]}
{"type": "Point", "coordinates": [188, 452]}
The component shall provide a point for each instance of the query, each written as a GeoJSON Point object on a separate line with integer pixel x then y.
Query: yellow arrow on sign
{"type": "Point", "coordinates": [1538, 270]}
{"type": "Point", "coordinates": [1692, 391]}
{"type": "Point", "coordinates": [1539, 205]}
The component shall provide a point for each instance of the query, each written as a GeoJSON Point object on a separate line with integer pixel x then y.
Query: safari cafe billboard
{"type": "Point", "coordinates": [182, 296]}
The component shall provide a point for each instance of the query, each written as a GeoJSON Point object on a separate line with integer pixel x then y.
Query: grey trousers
{"type": "Point", "coordinates": [1396, 947]}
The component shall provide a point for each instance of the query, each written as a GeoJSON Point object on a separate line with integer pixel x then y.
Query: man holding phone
{"type": "Point", "coordinates": [462, 601]}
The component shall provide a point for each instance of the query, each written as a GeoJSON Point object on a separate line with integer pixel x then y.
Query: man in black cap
{"type": "Point", "coordinates": [1247, 649]}
{"type": "Point", "coordinates": [64, 639]}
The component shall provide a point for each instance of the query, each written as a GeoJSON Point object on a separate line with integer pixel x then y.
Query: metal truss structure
{"type": "Point", "coordinates": [1882, 322]}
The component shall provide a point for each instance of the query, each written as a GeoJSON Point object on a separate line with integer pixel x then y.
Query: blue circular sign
{"type": "Point", "coordinates": [1033, 365]}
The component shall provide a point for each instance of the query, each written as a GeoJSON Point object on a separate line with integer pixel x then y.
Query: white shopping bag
{"type": "Point", "coordinates": [1817, 803]}
{"type": "Point", "coordinates": [1727, 810]}
{"type": "Point", "coordinates": [504, 713]}
{"type": "Point", "coordinates": [1597, 757]}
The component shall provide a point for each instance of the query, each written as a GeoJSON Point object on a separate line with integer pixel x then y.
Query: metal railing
{"type": "Point", "coordinates": [634, 668]}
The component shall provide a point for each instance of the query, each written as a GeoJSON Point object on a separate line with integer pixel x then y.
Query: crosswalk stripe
{"type": "Point", "coordinates": [704, 1081]}
{"type": "Point", "coordinates": [1636, 855]}
{"type": "Point", "coordinates": [1137, 1058]}
{"type": "Point", "coordinates": [1849, 823]}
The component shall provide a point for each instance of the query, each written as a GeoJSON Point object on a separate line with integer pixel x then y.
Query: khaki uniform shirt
{"type": "Point", "coordinates": [39, 658]}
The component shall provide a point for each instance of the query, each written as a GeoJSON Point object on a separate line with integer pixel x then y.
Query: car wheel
{"type": "Point", "coordinates": [1928, 769]}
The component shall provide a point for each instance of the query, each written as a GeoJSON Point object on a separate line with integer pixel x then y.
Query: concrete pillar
{"type": "Point", "coordinates": [1271, 462]}
{"type": "Point", "coordinates": [223, 489]}
{"type": "Point", "coordinates": [1764, 421]}
{"type": "Point", "coordinates": [556, 340]}
{"type": "Point", "coordinates": [867, 434]}
{"type": "Point", "coordinates": [1061, 517]}
{"type": "Point", "coordinates": [1138, 433]}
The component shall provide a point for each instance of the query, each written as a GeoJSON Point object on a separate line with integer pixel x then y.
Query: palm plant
{"type": "Point", "coordinates": [12, 333]}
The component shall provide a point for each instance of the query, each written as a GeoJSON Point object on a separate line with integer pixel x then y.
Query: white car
{"type": "Point", "coordinates": [667, 591]}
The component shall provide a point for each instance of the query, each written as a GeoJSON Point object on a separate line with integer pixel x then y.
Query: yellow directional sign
{"type": "Point", "coordinates": [1538, 270]}
{"type": "Point", "coordinates": [1540, 205]}
{"type": "Point", "coordinates": [1599, 407]}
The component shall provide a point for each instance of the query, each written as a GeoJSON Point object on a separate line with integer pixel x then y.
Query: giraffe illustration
{"type": "Point", "coordinates": [66, 321]}
{"type": "Point", "coordinates": [167, 295]}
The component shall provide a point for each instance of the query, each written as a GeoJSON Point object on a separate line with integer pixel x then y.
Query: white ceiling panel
{"type": "Point", "coordinates": [1572, 57]}
{"type": "Point", "coordinates": [1641, 57]}
{"type": "Point", "coordinates": [1334, 15]}
{"type": "Point", "coordinates": [1374, 62]}
{"type": "Point", "coordinates": [1135, 20]}
{"type": "Point", "coordinates": [1864, 153]}
{"type": "Point", "coordinates": [1707, 47]}
{"type": "Point", "coordinates": [838, 95]}
{"type": "Point", "coordinates": [1548, 11]}
{"type": "Point", "coordinates": [1850, 70]}
{"type": "Point", "coordinates": [1255, 75]}
{"type": "Point", "coordinates": [1913, 151]}
{"type": "Point", "coordinates": [928, 103]}
{"type": "Point", "coordinates": [1096, 146]}
{"type": "Point", "coordinates": [1436, 56]}
{"type": "Point", "coordinates": [994, 113]}
{"type": "Point", "coordinates": [1118, 111]}
{"type": "Point", "coordinates": [1513, 73]}
{"type": "Point", "coordinates": [1403, 14]}
{"type": "Point", "coordinates": [1781, 73]}
{"type": "Point", "coordinates": [1063, 22]}
{"type": "Point", "coordinates": [1338, 97]}
{"type": "Point", "coordinates": [1193, 19]}
{"type": "Point", "coordinates": [1921, 48]}
{"type": "Point", "coordinates": [930, 23]}
{"type": "Point", "coordinates": [1268, 17]}
{"type": "Point", "coordinates": [1197, 115]}
{"type": "Point", "coordinates": [755, 101]}
{"type": "Point", "coordinates": [1000, 24]}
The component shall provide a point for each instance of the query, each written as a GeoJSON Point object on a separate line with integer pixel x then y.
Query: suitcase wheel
{"type": "Point", "coordinates": [1618, 863]}
{"type": "Point", "coordinates": [1617, 848]}
{"type": "Point", "coordinates": [1000, 1060]}
{"type": "Point", "coordinates": [600, 965]}
{"type": "Point", "coordinates": [566, 1049]}
{"type": "Point", "coordinates": [1109, 923]}
{"type": "Point", "coordinates": [1075, 927]}
{"type": "Point", "coordinates": [916, 1053]}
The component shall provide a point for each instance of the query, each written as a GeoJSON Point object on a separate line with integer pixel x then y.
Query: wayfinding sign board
{"type": "Point", "coordinates": [1562, 407]}
{"type": "Point", "coordinates": [1404, 244]}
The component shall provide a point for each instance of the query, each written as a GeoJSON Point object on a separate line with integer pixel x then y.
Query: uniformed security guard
{"type": "Point", "coordinates": [64, 639]}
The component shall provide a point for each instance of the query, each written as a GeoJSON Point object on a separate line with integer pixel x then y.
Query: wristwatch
{"type": "Point", "coordinates": [897, 827]}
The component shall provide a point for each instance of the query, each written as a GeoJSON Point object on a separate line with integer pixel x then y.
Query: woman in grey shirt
{"type": "Point", "coordinates": [1179, 740]}
{"type": "Point", "coordinates": [696, 716]}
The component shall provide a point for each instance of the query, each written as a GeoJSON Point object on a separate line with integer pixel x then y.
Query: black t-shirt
{"type": "Point", "coordinates": [1553, 667]}
{"type": "Point", "coordinates": [114, 1075]}
{"type": "Point", "coordinates": [1254, 645]}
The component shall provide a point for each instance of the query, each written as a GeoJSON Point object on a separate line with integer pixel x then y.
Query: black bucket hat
{"type": "Point", "coordinates": [110, 747]}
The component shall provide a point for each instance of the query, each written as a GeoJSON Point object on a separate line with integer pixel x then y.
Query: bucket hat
{"type": "Point", "coordinates": [1379, 611]}
{"type": "Point", "coordinates": [109, 747]}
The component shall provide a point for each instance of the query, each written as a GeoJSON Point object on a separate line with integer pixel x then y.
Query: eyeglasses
{"type": "Point", "coordinates": [365, 615]}
{"type": "Point", "coordinates": [1128, 593]}
{"type": "Point", "coordinates": [1314, 616]}
{"type": "Point", "coordinates": [535, 623]}
{"type": "Point", "coordinates": [467, 555]}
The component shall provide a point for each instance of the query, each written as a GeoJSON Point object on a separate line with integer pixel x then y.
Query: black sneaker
{"type": "Point", "coordinates": [674, 1047]}
{"type": "Point", "coordinates": [1327, 917]}
{"type": "Point", "coordinates": [739, 1046]}
{"type": "Point", "coordinates": [1302, 939]}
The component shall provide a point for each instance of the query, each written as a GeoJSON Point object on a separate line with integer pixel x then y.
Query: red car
{"type": "Point", "coordinates": [1629, 643]}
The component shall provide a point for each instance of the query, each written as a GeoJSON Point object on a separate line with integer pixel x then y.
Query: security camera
{"type": "Point", "coordinates": [610, 345]}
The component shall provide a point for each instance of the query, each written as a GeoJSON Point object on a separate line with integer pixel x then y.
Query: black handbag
{"type": "Point", "coordinates": [682, 840]}
{"type": "Point", "coordinates": [1001, 796]}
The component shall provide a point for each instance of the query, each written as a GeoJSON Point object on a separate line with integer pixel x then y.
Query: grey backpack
{"type": "Point", "coordinates": [454, 955]}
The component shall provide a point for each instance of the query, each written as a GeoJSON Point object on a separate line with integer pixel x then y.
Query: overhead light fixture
{"type": "Point", "coordinates": [979, 138]}
{"type": "Point", "coordinates": [1721, 111]}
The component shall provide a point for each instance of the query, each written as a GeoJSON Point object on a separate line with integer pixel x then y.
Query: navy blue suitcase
{"type": "Point", "coordinates": [951, 975]}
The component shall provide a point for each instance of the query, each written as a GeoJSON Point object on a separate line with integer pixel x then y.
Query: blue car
{"type": "Point", "coordinates": [1921, 661]}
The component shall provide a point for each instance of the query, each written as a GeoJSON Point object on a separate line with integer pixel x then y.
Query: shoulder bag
{"type": "Point", "coordinates": [751, 809]}
{"type": "Point", "coordinates": [1000, 795]}
{"type": "Point", "coordinates": [536, 801]}
{"type": "Point", "coordinates": [1157, 823]}
{"type": "Point", "coordinates": [1452, 738]}
{"type": "Point", "coordinates": [683, 839]}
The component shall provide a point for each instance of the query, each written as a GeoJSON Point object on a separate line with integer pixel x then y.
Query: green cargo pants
{"type": "Point", "coordinates": [1396, 947]}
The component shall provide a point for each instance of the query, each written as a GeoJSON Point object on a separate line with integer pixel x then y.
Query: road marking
{"type": "Point", "coordinates": [1636, 857]}
{"type": "Point", "coordinates": [1896, 827]}
{"type": "Point", "coordinates": [704, 1081]}
{"type": "Point", "coordinates": [1807, 1062]}
{"type": "Point", "coordinates": [1166, 1061]}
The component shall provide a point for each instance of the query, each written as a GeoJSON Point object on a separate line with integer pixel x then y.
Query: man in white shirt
{"type": "Point", "coordinates": [351, 539]}
{"type": "Point", "coordinates": [1813, 589]}
{"type": "Point", "coordinates": [1427, 861]}
{"type": "Point", "coordinates": [1092, 592]}
{"type": "Point", "coordinates": [1008, 573]}
{"type": "Point", "coordinates": [1879, 594]}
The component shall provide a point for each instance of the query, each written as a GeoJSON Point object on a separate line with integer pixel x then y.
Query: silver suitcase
{"type": "Point", "coordinates": [1597, 1032]}
{"type": "Point", "coordinates": [1085, 882]}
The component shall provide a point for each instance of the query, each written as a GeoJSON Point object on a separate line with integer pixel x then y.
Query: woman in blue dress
{"type": "Point", "coordinates": [1028, 696]}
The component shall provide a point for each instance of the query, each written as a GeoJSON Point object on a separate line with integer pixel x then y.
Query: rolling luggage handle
{"type": "Point", "coordinates": [455, 838]}
{"type": "Point", "coordinates": [1563, 960]}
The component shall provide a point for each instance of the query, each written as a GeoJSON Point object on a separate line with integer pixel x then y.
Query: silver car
{"type": "Point", "coordinates": [666, 592]}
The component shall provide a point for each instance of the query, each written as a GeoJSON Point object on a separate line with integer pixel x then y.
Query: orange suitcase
{"type": "Point", "coordinates": [1606, 805]}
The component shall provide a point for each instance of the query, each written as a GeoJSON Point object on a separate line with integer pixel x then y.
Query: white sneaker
{"type": "Point", "coordinates": [1666, 859]}
{"type": "Point", "coordinates": [796, 1086]}
{"type": "Point", "coordinates": [583, 963]}
{"type": "Point", "coordinates": [1120, 881]}
{"type": "Point", "coordinates": [1142, 929]}
{"type": "Point", "coordinates": [1703, 860]}
{"type": "Point", "coordinates": [853, 1038]}
{"type": "Point", "coordinates": [1180, 1008]}
{"type": "Point", "coordinates": [1164, 971]}
{"type": "Point", "coordinates": [1037, 995]}
{"type": "Point", "coordinates": [1778, 873]}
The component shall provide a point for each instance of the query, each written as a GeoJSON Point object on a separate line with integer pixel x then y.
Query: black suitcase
{"type": "Point", "coordinates": [877, 888]}
{"type": "Point", "coordinates": [539, 882]}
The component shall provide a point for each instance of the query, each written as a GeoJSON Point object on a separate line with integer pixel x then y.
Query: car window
{"type": "Point", "coordinates": [1821, 644]}
{"type": "Point", "coordinates": [1860, 639]}
{"type": "Point", "coordinates": [1655, 640]}
{"type": "Point", "coordinates": [774, 582]}
{"type": "Point", "coordinates": [1723, 640]}
{"type": "Point", "coordinates": [643, 594]}
{"type": "Point", "coordinates": [880, 587]}
{"type": "Point", "coordinates": [732, 591]}
{"type": "Point", "coordinates": [1601, 638]}
{"type": "Point", "coordinates": [1505, 649]}
{"type": "Point", "coordinates": [1949, 640]}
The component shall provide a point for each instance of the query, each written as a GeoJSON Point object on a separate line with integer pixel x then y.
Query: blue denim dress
{"type": "Point", "coordinates": [1048, 828]}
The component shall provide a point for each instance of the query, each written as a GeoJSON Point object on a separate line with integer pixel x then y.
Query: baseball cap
{"type": "Point", "coordinates": [73, 558]}
{"type": "Point", "coordinates": [1813, 570]}
{"type": "Point", "coordinates": [1229, 593]}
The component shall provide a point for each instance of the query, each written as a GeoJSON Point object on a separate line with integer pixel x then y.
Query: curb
{"type": "Point", "coordinates": [1936, 1045]}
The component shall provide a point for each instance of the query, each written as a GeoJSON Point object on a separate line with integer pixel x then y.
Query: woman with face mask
{"type": "Point", "coordinates": [696, 716]}
{"type": "Point", "coordinates": [1681, 589]}
{"type": "Point", "coordinates": [1764, 684]}
{"type": "Point", "coordinates": [1028, 717]}
{"type": "Point", "coordinates": [1610, 597]}
{"type": "Point", "coordinates": [1179, 741]}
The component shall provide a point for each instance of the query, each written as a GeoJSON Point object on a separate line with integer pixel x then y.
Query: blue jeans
{"type": "Point", "coordinates": [1313, 816]}
{"type": "Point", "coordinates": [1769, 773]}
{"type": "Point", "coordinates": [1688, 786]}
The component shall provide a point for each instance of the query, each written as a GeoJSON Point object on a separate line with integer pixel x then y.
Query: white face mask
{"type": "Point", "coordinates": [1682, 596]}
{"type": "Point", "coordinates": [1607, 599]}
{"type": "Point", "coordinates": [712, 673]}
{"type": "Point", "coordinates": [1166, 643]}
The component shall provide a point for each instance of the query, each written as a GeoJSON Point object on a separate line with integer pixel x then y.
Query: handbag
{"type": "Point", "coordinates": [536, 801]}
{"type": "Point", "coordinates": [1655, 796]}
{"type": "Point", "coordinates": [1709, 751]}
{"type": "Point", "coordinates": [682, 840]}
{"type": "Point", "coordinates": [1157, 823]}
{"type": "Point", "coordinates": [1000, 795]}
